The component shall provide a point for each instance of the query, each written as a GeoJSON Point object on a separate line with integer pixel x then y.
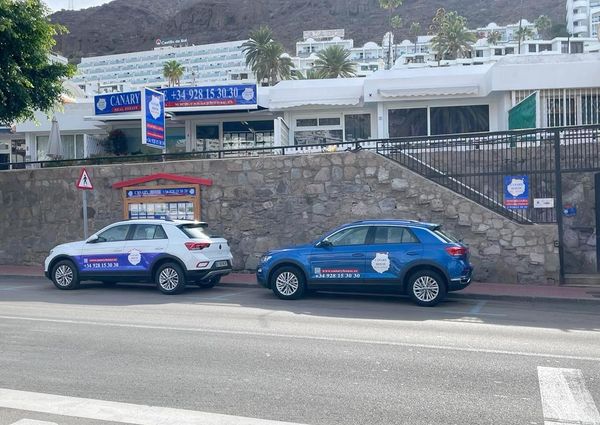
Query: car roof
{"type": "Point", "coordinates": [396, 222]}
{"type": "Point", "coordinates": [160, 221]}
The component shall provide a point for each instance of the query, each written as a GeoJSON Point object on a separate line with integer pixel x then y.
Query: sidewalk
{"type": "Point", "coordinates": [494, 291]}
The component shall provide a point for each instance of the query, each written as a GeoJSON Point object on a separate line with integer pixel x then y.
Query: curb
{"type": "Point", "coordinates": [528, 298]}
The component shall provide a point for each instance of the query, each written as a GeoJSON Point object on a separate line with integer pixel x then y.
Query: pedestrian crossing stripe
{"type": "Point", "coordinates": [111, 411]}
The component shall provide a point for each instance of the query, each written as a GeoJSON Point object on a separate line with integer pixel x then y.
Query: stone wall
{"type": "Point", "coordinates": [579, 237]}
{"type": "Point", "coordinates": [263, 203]}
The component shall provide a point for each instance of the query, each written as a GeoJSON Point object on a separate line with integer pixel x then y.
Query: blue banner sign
{"type": "Point", "coordinates": [115, 103]}
{"type": "Point", "coordinates": [153, 119]}
{"type": "Point", "coordinates": [242, 95]}
{"type": "Point", "coordinates": [151, 193]}
{"type": "Point", "coordinates": [516, 192]}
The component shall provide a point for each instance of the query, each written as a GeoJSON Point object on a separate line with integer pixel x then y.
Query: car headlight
{"type": "Point", "coordinates": [265, 258]}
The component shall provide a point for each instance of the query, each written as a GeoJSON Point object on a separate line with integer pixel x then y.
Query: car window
{"type": "Point", "coordinates": [114, 234]}
{"type": "Point", "coordinates": [148, 231]}
{"type": "Point", "coordinates": [393, 235]}
{"type": "Point", "coordinates": [445, 236]}
{"type": "Point", "coordinates": [194, 231]}
{"type": "Point", "coordinates": [351, 236]}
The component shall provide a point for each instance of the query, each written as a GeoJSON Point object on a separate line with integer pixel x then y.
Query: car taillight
{"type": "Point", "coordinates": [457, 251]}
{"type": "Point", "coordinates": [196, 246]}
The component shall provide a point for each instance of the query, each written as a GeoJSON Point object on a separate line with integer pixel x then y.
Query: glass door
{"type": "Point", "coordinates": [208, 137]}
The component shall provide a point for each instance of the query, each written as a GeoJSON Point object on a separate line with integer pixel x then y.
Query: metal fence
{"type": "Point", "coordinates": [476, 165]}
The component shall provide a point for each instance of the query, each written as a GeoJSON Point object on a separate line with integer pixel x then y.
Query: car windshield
{"type": "Point", "coordinates": [445, 236]}
{"type": "Point", "coordinates": [194, 230]}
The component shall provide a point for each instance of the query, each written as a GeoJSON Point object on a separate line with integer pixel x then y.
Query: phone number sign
{"type": "Point", "coordinates": [242, 96]}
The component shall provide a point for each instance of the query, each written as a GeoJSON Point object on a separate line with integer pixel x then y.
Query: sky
{"type": "Point", "coordinates": [79, 4]}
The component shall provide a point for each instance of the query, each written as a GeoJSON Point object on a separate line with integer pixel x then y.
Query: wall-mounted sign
{"type": "Point", "coordinates": [153, 119]}
{"type": "Point", "coordinates": [569, 210]}
{"type": "Point", "coordinates": [242, 96]}
{"type": "Point", "coordinates": [171, 41]}
{"type": "Point", "coordinates": [115, 103]}
{"type": "Point", "coordinates": [516, 192]}
{"type": "Point", "coordinates": [543, 203]}
{"type": "Point", "coordinates": [169, 191]}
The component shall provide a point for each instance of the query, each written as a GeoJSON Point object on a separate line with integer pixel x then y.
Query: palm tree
{"type": "Point", "coordinates": [275, 64]}
{"type": "Point", "coordinates": [452, 39]}
{"type": "Point", "coordinates": [523, 33]}
{"type": "Point", "coordinates": [543, 24]}
{"type": "Point", "coordinates": [173, 71]}
{"type": "Point", "coordinates": [310, 74]}
{"type": "Point", "coordinates": [266, 57]}
{"type": "Point", "coordinates": [334, 62]}
{"type": "Point", "coordinates": [494, 38]}
{"type": "Point", "coordinates": [414, 30]}
{"type": "Point", "coordinates": [254, 50]}
{"type": "Point", "coordinates": [391, 6]}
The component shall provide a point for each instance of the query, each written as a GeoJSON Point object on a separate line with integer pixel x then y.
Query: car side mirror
{"type": "Point", "coordinates": [92, 239]}
{"type": "Point", "coordinates": [324, 244]}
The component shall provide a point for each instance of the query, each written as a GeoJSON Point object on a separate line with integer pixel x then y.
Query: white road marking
{"type": "Point", "coordinates": [477, 307]}
{"type": "Point", "coordinates": [306, 337]}
{"type": "Point", "coordinates": [565, 398]}
{"type": "Point", "coordinates": [118, 412]}
{"type": "Point", "coordinates": [33, 422]}
{"type": "Point", "coordinates": [13, 288]}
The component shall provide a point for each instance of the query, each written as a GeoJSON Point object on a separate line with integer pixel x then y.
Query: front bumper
{"type": "Point", "coordinates": [262, 276]}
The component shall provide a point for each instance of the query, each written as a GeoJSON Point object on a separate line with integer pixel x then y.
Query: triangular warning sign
{"type": "Point", "coordinates": [84, 181]}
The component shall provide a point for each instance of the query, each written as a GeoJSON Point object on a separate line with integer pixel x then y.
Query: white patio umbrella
{"type": "Point", "coordinates": [55, 150]}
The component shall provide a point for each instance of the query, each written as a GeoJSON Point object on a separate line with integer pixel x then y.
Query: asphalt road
{"type": "Point", "coordinates": [326, 359]}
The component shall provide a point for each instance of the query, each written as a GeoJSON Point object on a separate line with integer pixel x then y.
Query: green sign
{"type": "Point", "coordinates": [523, 115]}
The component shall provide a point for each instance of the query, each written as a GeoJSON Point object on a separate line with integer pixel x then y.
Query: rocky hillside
{"type": "Point", "coordinates": [132, 25]}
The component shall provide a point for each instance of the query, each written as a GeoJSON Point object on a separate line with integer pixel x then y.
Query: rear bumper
{"type": "Point", "coordinates": [205, 274]}
{"type": "Point", "coordinates": [461, 282]}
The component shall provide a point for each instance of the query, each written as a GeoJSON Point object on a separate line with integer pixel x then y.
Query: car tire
{"type": "Point", "coordinates": [426, 288]}
{"type": "Point", "coordinates": [210, 283]}
{"type": "Point", "coordinates": [65, 275]}
{"type": "Point", "coordinates": [170, 279]}
{"type": "Point", "coordinates": [288, 283]}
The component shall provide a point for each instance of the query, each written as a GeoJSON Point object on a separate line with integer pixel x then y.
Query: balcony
{"type": "Point", "coordinates": [580, 17]}
{"type": "Point", "coordinates": [580, 29]}
{"type": "Point", "coordinates": [579, 4]}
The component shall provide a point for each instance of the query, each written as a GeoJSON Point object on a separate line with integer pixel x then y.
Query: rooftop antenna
{"type": "Point", "coordinates": [71, 5]}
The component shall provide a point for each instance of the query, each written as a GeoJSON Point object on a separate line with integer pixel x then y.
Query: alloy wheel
{"type": "Point", "coordinates": [287, 283]}
{"type": "Point", "coordinates": [426, 288]}
{"type": "Point", "coordinates": [63, 275]}
{"type": "Point", "coordinates": [168, 279]}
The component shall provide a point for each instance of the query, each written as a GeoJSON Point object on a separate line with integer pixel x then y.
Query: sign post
{"type": "Point", "coordinates": [153, 119]}
{"type": "Point", "coordinates": [84, 183]}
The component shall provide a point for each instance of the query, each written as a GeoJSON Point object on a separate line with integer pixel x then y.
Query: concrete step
{"type": "Point", "coordinates": [587, 280]}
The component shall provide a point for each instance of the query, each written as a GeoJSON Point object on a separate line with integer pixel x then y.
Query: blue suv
{"type": "Point", "coordinates": [389, 256]}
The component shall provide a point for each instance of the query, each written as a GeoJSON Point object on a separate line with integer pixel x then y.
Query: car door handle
{"type": "Point", "coordinates": [413, 253]}
{"type": "Point", "coordinates": [358, 255]}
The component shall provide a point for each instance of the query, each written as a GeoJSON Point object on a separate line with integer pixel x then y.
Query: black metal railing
{"type": "Point", "coordinates": [476, 165]}
{"type": "Point", "coordinates": [212, 154]}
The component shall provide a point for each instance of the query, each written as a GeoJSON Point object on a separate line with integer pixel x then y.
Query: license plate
{"type": "Point", "coordinates": [221, 264]}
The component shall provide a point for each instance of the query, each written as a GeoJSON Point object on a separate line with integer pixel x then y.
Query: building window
{"type": "Point", "coordinates": [307, 122]}
{"type": "Point", "coordinates": [591, 109]}
{"type": "Point", "coordinates": [510, 51]}
{"type": "Point", "coordinates": [498, 52]}
{"type": "Point", "coordinates": [577, 47]}
{"type": "Point", "coordinates": [460, 119]}
{"type": "Point", "coordinates": [317, 137]}
{"type": "Point", "coordinates": [407, 122]}
{"type": "Point", "coordinates": [532, 48]}
{"type": "Point", "coordinates": [479, 53]}
{"type": "Point", "coordinates": [556, 112]}
{"type": "Point", "coordinates": [329, 121]}
{"type": "Point", "coordinates": [545, 47]}
{"type": "Point", "coordinates": [358, 127]}
{"type": "Point", "coordinates": [564, 47]}
{"type": "Point", "coordinates": [72, 146]}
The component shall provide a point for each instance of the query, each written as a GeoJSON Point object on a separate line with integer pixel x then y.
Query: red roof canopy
{"type": "Point", "coordinates": [163, 176]}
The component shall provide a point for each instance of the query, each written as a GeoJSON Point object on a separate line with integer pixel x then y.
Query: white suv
{"type": "Point", "coordinates": [169, 253]}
